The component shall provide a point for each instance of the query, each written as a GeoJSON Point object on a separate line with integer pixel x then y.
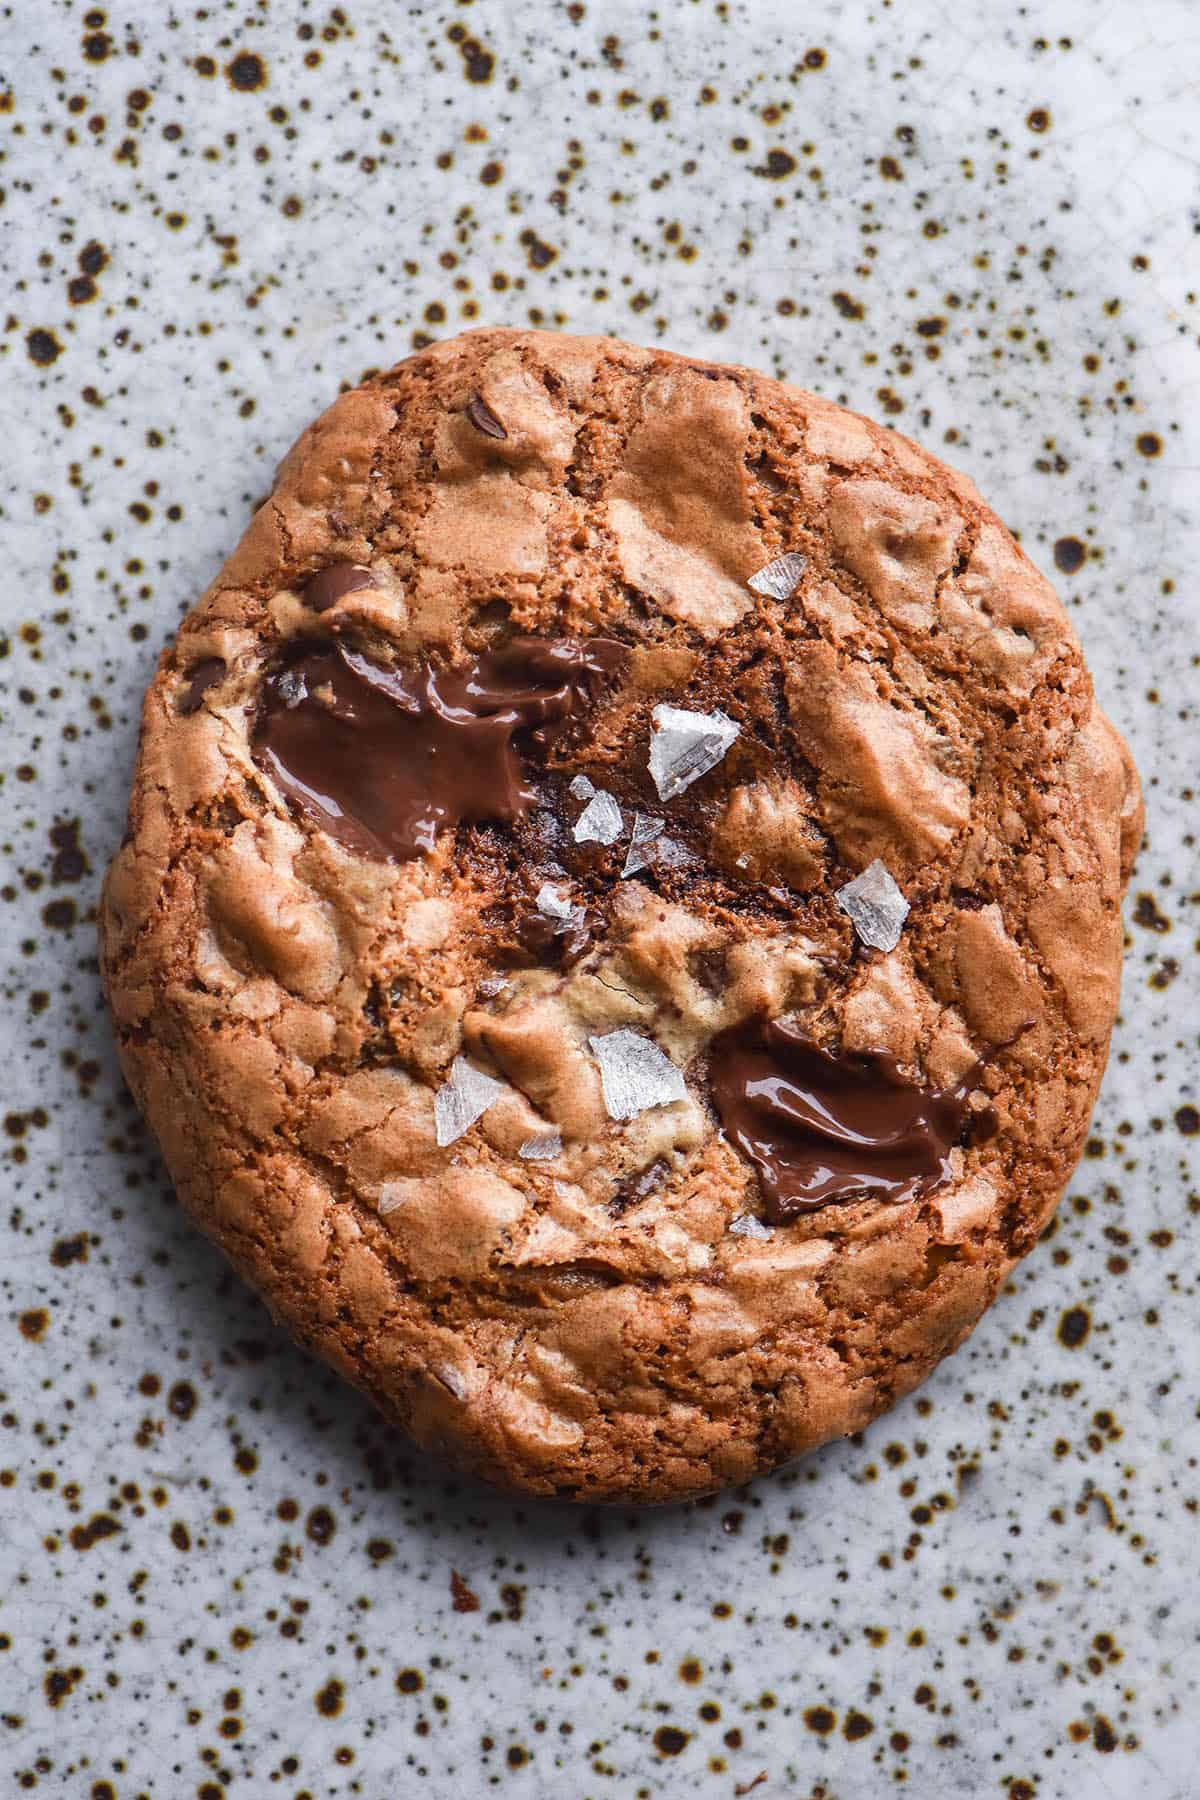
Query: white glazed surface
{"type": "Point", "coordinates": [990, 1593]}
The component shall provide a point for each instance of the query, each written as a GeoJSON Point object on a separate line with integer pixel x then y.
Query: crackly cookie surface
{"type": "Point", "coordinates": [620, 921]}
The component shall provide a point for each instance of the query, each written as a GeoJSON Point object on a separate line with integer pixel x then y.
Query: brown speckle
{"type": "Point", "coordinates": [70, 1250]}
{"type": "Point", "coordinates": [1103, 1735]}
{"type": "Point", "coordinates": [479, 63]}
{"type": "Point", "coordinates": [1069, 554]}
{"type": "Point", "coordinates": [540, 255]}
{"type": "Point", "coordinates": [1074, 1327]}
{"type": "Point", "coordinates": [463, 1598]}
{"type": "Point", "coordinates": [70, 863]}
{"type": "Point", "coordinates": [1147, 914]}
{"type": "Point", "coordinates": [328, 1699]}
{"type": "Point", "coordinates": [320, 1526]}
{"type": "Point", "coordinates": [670, 1741]}
{"type": "Point", "coordinates": [776, 166]}
{"type": "Point", "coordinates": [182, 1400]}
{"type": "Point", "coordinates": [43, 347]}
{"type": "Point", "coordinates": [100, 1525]}
{"type": "Point", "coordinates": [58, 1683]}
{"type": "Point", "coordinates": [59, 915]}
{"type": "Point", "coordinates": [246, 73]}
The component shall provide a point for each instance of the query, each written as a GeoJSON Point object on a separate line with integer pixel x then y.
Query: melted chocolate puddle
{"type": "Point", "coordinates": [821, 1129]}
{"type": "Point", "coordinates": [384, 759]}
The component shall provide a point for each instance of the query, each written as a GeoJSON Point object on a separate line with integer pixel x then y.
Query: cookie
{"type": "Point", "coordinates": [619, 925]}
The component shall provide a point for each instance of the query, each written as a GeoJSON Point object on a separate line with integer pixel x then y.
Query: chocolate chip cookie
{"type": "Point", "coordinates": [619, 925]}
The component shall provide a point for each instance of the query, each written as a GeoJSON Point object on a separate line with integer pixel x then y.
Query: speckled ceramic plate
{"type": "Point", "coordinates": [217, 1574]}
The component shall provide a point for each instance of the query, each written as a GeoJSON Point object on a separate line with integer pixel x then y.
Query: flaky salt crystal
{"type": "Point", "coordinates": [634, 1074]}
{"type": "Point", "coordinates": [670, 854]}
{"type": "Point", "coordinates": [600, 822]}
{"type": "Point", "coordinates": [645, 833]}
{"type": "Point", "coordinates": [748, 1226]}
{"type": "Point", "coordinates": [581, 788]}
{"type": "Point", "coordinates": [686, 745]}
{"type": "Point", "coordinates": [291, 688]}
{"type": "Point", "coordinates": [875, 906]}
{"type": "Point", "coordinates": [450, 1379]}
{"type": "Point", "coordinates": [779, 579]}
{"type": "Point", "coordinates": [543, 1148]}
{"type": "Point", "coordinates": [551, 904]}
{"type": "Point", "coordinates": [463, 1099]}
{"type": "Point", "coordinates": [393, 1194]}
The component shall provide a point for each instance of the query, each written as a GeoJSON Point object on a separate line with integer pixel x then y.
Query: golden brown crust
{"type": "Point", "coordinates": [286, 1010]}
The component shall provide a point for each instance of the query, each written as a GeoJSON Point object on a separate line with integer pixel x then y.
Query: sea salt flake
{"type": "Point", "coordinates": [463, 1099]}
{"type": "Point", "coordinates": [645, 833]}
{"type": "Point", "coordinates": [634, 1074]}
{"type": "Point", "coordinates": [393, 1194]}
{"type": "Point", "coordinates": [291, 688]}
{"type": "Point", "coordinates": [779, 579]}
{"type": "Point", "coordinates": [450, 1379]}
{"type": "Point", "coordinates": [875, 906]}
{"type": "Point", "coordinates": [600, 822]}
{"type": "Point", "coordinates": [551, 904]}
{"type": "Point", "coordinates": [581, 788]}
{"type": "Point", "coordinates": [670, 854]}
{"type": "Point", "coordinates": [543, 1148]}
{"type": "Point", "coordinates": [747, 1226]}
{"type": "Point", "coordinates": [686, 745]}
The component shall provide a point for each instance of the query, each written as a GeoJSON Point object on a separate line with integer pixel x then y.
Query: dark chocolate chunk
{"type": "Point", "coordinates": [557, 941]}
{"type": "Point", "coordinates": [384, 759]}
{"type": "Point", "coordinates": [634, 1188]}
{"type": "Point", "coordinates": [823, 1128]}
{"type": "Point", "coordinates": [200, 677]}
{"type": "Point", "coordinates": [968, 900]}
{"type": "Point", "coordinates": [980, 1127]}
{"type": "Point", "coordinates": [328, 586]}
{"type": "Point", "coordinates": [709, 968]}
{"type": "Point", "coordinates": [483, 418]}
